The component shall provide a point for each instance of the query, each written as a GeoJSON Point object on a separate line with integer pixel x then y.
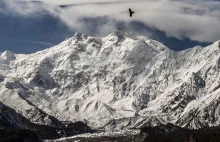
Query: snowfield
{"type": "Point", "coordinates": [120, 81]}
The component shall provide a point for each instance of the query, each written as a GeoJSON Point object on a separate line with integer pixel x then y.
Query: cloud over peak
{"type": "Point", "coordinates": [197, 20]}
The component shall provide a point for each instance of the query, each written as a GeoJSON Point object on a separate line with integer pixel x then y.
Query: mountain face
{"type": "Point", "coordinates": [120, 81]}
{"type": "Point", "coordinates": [12, 124]}
{"type": "Point", "coordinates": [10, 119]}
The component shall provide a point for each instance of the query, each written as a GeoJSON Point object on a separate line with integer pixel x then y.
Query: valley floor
{"type": "Point", "coordinates": [163, 133]}
{"type": "Point", "coordinates": [119, 136]}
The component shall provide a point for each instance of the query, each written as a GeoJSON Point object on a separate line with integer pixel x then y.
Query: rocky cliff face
{"type": "Point", "coordinates": [120, 81]}
{"type": "Point", "coordinates": [14, 126]}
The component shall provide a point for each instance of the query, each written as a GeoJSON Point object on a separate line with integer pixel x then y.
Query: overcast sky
{"type": "Point", "coordinates": [198, 20]}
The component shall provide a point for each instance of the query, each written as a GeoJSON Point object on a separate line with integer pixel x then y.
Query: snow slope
{"type": "Point", "coordinates": [120, 81]}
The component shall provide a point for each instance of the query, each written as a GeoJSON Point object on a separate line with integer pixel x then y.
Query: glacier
{"type": "Point", "coordinates": [121, 81]}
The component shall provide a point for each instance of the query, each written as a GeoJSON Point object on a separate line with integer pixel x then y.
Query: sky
{"type": "Point", "coordinates": [27, 26]}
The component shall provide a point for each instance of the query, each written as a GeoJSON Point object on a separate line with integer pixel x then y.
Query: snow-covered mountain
{"type": "Point", "coordinates": [120, 81]}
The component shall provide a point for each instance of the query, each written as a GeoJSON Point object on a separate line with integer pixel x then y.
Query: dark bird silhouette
{"type": "Point", "coordinates": [131, 12]}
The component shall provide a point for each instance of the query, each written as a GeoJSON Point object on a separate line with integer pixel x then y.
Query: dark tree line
{"type": "Point", "coordinates": [21, 135]}
{"type": "Point", "coordinates": [176, 134]}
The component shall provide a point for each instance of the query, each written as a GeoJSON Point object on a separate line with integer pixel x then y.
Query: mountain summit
{"type": "Point", "coordinates": [120, 81]}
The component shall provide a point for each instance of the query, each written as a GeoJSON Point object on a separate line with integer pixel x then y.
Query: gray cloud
{"type": "Point", "coordinates": [197, 20]}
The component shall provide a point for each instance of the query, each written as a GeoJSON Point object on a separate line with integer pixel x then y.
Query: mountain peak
{"type": "Point", "coordinates": [80, 36]}
{"type": "Point", "coordinates": [8, 55]}
{"type": "Point", "coordinates": [217, 43]}
{"type": "Point", "coordinates": [123, 34]}
{"type": "Point", "coordinates": [120, 36]}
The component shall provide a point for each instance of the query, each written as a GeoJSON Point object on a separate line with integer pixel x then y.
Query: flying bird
{"type": "Point", "coordinates": [131, 12]}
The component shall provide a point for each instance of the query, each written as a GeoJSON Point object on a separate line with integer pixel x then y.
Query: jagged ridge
{"type": "Point", "coordinates": [120, 81]}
